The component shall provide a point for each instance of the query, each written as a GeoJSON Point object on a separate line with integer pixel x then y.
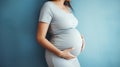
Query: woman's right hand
{"type": "Point", "coordinates": [66, 54]}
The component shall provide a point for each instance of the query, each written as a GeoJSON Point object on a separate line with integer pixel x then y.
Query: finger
{"type": "Point", "coordinates": [69, 58]}
{"type": "Point", "coordinates": [82, 36]}
{"type": "Point", "coordinates": [72, 55]}
{"type": "Point", "coordinates": [83, 44]}
{"type": "Point", "coordinates": [69, 49]}
{"type": "Point", "coordinates": [82, 48]}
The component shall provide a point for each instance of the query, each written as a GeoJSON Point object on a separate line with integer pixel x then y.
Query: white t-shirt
{"type": "Point", "coordinates": [62, 27]}
{"type": "Point", "coordinates": [58, 19]}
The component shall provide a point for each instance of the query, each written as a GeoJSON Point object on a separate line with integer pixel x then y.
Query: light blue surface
{"type": "Point", "coordinates": [99, 21]}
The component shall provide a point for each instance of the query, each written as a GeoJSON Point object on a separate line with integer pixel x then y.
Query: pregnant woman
{"type": "Point", "coordinates": [65, 43]}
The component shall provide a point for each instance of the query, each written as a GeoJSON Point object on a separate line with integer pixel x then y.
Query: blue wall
{"type": "Point", "coordinates": [98, 21]}
{"type": "Point", "coordinates": [18, 25]}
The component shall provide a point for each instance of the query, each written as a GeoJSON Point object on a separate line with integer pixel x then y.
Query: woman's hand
{"type": "Point", "coordinates": [83, 43]}
{"type": "Point", "coordinates": [66, 54]}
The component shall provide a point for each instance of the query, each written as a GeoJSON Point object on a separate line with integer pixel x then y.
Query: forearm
{"type": "Point", "coordinates": [48, 45]}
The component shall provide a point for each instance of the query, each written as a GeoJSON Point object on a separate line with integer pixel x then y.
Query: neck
{"type": "Point", "coordinates": [60, 2]}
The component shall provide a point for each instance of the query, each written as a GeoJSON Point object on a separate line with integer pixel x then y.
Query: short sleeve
{"type": "Point", "coordinates": [45, 13]}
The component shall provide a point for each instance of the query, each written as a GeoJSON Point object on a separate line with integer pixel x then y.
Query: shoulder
{"type": "Point", "coordinates": [47, 7]}
{"type": "Point", "coordinates": [47, 4]}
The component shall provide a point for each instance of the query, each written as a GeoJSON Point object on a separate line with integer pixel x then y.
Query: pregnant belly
{"type": "Point", "coordinates": [68, 39]}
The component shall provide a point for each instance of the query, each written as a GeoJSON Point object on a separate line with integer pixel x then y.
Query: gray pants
{"type": "Point", "coordinates": [55, 61]}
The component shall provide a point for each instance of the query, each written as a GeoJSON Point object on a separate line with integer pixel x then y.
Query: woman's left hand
{"type": "Point", "coordinates": [83, 43]}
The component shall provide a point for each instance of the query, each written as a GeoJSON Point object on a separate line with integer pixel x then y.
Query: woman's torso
{"type": "Point", "coordinates": [63, 29]}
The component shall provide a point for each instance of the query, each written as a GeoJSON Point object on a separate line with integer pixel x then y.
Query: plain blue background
{"type": "Point", "coordinates": [99, 21]}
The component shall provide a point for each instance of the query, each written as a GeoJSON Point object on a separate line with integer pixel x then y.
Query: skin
{"type": "Point", "coordinates": [41, 37]}
{"type": "Point", "coordinates": [83, 43]}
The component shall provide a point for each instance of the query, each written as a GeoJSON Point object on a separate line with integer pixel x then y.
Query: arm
{"type": "Point", "coordinates": [41, 34]}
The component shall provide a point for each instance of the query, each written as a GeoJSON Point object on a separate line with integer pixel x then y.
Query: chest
{"type": "Point", "coordinates": [63, 21]}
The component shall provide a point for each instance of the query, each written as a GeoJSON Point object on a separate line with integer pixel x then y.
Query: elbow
{"type": "Point", "coordinates": [40, 38]}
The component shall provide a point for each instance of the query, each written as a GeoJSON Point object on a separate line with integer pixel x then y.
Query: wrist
{"type": "Point", "coordinates": [60, 53]}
